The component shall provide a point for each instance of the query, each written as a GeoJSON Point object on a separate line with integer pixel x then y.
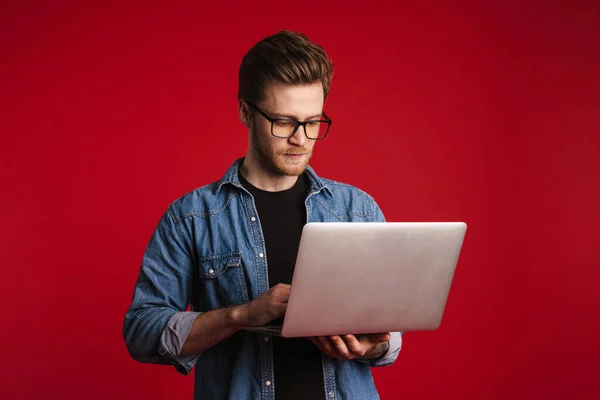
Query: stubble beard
{"type": "Point", "coordinates": [274, 162]}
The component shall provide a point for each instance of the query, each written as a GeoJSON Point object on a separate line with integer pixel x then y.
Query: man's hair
{"type": "Point", "coordinates": [285, 57]}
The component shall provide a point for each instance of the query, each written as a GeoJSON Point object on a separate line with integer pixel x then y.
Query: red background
{"type": "Point", "coordinates": [482, 114]}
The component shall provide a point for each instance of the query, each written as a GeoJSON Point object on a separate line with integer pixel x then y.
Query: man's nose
{"type": "Point", "coordinates": [299, 138]}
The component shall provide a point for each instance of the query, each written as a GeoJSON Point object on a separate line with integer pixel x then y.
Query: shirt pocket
{"type": "Point", "coordinates": [222, 281]}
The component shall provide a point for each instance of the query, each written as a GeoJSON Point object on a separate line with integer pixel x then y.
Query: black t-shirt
{"type": "Point", "coordinates": [297, 361]}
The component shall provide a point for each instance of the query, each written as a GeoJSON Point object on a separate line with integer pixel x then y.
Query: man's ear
{"type": "Point", "coordinates": [244, 112]}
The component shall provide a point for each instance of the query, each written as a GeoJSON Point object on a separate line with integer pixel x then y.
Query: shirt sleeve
{"type": "Point", "coordinates": [390, 356]}
{"type": "Point", "coordinates": [163, 289]}
{"type": "Point", "coordinates": [172, 339]}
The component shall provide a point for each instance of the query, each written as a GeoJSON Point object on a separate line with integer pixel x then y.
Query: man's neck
{"type": "Point", "coordinates": [259, 177]}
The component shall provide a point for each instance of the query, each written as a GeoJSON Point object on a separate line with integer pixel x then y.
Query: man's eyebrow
{"type": "Point", "coordinates": [278, 115]}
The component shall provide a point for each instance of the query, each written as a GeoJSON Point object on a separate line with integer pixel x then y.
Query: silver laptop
{"type": "Point", "coordinates": [366, 277]}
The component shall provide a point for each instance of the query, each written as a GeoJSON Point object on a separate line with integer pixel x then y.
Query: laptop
{"type": "Point", "coordinates": [369, 277]}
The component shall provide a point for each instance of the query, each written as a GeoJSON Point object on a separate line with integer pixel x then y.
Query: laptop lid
{"type": "Point", "coordinates": [366, 277]}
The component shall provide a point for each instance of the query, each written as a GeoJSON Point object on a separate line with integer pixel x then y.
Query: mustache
{"type": "Point", "coordinates": [295, 150]}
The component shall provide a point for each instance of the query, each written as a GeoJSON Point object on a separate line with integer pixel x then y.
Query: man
{"type": "Point", "coordinates": [228, 250]}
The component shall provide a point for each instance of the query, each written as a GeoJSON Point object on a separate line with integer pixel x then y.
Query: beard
{"type": "Point", "coordinates": [275, 161]}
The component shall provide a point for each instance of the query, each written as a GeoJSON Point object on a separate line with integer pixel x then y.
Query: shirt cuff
{"type": "Point", "coordinates": [172, 339]}
{"type": "Point", "coordinates": [391, 353]}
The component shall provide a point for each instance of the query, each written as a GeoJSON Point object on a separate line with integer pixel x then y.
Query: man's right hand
{"type": "Point", "coordinates": [265, 308]}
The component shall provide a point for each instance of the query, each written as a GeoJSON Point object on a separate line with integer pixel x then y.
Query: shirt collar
{"type": "Point", "coordinates": [231, 177]}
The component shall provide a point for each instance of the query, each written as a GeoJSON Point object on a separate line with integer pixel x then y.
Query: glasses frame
{"type": "Point", "coordinates": [298, 123]}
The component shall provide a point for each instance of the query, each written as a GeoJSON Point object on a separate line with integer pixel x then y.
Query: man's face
{"type": "Point", "coordinates": [285, 156]}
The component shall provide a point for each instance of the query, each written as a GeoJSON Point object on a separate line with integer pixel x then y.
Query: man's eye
{"type": "Point", "coordinates": [283, 123]}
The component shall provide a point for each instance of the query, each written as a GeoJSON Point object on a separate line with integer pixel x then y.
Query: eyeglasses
{"type": "Point", "coordinates": [287, 127]}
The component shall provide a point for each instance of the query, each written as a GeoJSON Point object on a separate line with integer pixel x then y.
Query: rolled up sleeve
{"type": "Point", "coordinates": [163, 289]}
{"type": "Point", "coordinates": [173, 338]}
{"type": "Point", "coordinates": [391, 354]}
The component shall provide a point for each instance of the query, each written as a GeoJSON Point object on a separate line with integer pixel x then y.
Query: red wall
{"type": "Point", "coordinates": [485, 115]}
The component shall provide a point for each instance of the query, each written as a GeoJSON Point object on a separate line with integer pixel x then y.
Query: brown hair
{"type": "Point", "coordinates": [286, 57]}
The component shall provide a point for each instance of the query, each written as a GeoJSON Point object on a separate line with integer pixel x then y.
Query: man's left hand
{"type": "Point", "coordinates": [349, 347]}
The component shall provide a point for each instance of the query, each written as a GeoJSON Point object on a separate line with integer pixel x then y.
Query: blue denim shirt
{"type": "Point", "coordinates": [208, 251]}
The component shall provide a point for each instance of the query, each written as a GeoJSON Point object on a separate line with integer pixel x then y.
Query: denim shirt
{"type": "Point", "coordinates": [208, 251]}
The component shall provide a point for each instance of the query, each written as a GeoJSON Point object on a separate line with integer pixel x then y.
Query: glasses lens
{"type": "Point", "coordinates": [283, 128]}
{"type": "Point", "coordinates": [317, 129]}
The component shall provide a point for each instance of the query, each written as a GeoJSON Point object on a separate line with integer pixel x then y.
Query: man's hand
{"type": "Point", "coordinates": [264, 309]}
{"type": "Point", "coordinates": [349, 347]}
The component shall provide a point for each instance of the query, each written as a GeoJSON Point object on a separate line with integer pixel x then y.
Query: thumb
{"type": "Point", "coordinates": [379, 337]}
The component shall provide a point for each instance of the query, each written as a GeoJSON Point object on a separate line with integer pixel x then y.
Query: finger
{"type": "Point", "coordinates": [339, 347]}
{"type": "Point", "coordinates": [377, 337]}
{"type": "Point", "coordinates": [277, 300]}
{"type": "Point", "coordinates": [283, 285]}
{"type": "Point", "coordinates": [281, 309]}
{"type": "Point", "coordinates": [282, 295]}
{"type": "Point", "coordinates": [354, 345]}
{"type": "Point", "coordinates": [282, 288]}
{"type": "Point", "coordinates": [326, 347]}
{"type": "Point", "coordinates": [315, 342]}
{"type": "Point", "coordinates": [385, 336]}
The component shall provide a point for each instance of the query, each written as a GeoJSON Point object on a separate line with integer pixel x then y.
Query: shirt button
{"type": "Point", "coordinates": [331, 394]}
{"type": "Point", "coordinates": [268, 383]}
{"type": "Point", "coordinates": [211, 271]}
{"type": "Point", "coordinates": [261, 255]}
{"type": "Point", "coordinates": [252, 219]}
{"type": "Point", "coordinates": [266, 339]}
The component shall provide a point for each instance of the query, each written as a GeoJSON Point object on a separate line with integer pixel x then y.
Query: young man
{"type": "Point", "coordinates": [228, 250]}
